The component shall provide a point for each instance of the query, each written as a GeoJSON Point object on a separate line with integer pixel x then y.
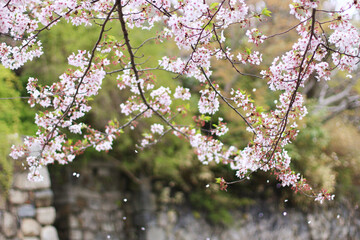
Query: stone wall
{"type": "Point", "coordinates": [89, 204]}
{"type": "Point", "coordinates": [27, 212]}
{"type": "Point", "coordinates": [258, 222]}
{"type": "Point", "coordinates": [94, 205]}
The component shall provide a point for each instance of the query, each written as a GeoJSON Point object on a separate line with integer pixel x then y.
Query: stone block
{"type": "Point", "coordinates": [155, 233]}
{"type": "Point", "coordinates": [109, 206]}
{"type": "Point", "coordinates": [107, 227]}
{"type": "Point", "coordinates": [30, 227]}
{"type": "Point", "coordinates": [44, 198]}
{"type": "Point", "coordinates": [112, 195]}
{"type": "Point", "coordinates": [94, 203]}
{"type": "Point", "coordinates": [46, 215]}
{"type": "Point", "coordinates": [89, 235]}
{"type": "Point", "coordinates": [21, 181]}
{"type": "Point", "coordinates": [75, 235]}
{"type": "Point", "coordinates": [162, 219]}
{"type": "Point", "coordinates": [87, 220]}
{"type": "Point", "coordinates": [73, 222]}
{"type": "Point", "coordinates": [49, 233]}
{"type": "Point", "coordinates": [119, 214]}
{"type": "Point", "coordinates": [9, 226]}
{"type": "Point", "coordinates": [105, 236]}
{"type": "Point", "coordinates": [102, 216]}
{"type": "Point", "coordinates": [172, 216]}
{"type": "Point", "coordinates": [26, 210]}
{"type": "Point", "coordinates": [17, 197]}
{"type": "Point", "coordinates": [119, 225]}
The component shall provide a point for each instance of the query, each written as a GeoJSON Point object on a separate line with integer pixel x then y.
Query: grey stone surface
{"type": "Point", "coordinates": [105, 236]}
{"type": "Point", "coordinates": [155, 233]}
{"type": "Point", "coordinates": [9, 224]}
{"type": "Point", "coordinates": [44, 198]}
{"type": "Point", "coordinates": [162, 219]}
{"type": "Point", "coordinates": [30, 227]}
{"type": "Point", "coordinates": [21, 181]}
{"type": "Point", "coordinates": [17, 197]}
{"type": "Point", "coordinates": [107, 227]}
{"type": "Point", "coordinates": [73, 222]}
{"type": "Point", "coordinates": [94, 203]}
{"type": "Point", "coordinates": [49, 233]}
{"type": "Point", "coordinates": [45, 215]}
{"type": "Point", "coordinates": [172, 216]}
{"type": "Point", "coordinates": [93, 212]}
{"type": "Point", "coordinates": [75, 235]}
{"type": "Point", "coordinates": [109, 206]}
{"type": "Point", "coordinates": [26, 210]}
{"type": "Point", "coordinates": [87, 220]}
{"type": "Point", "coordinates": [89, 235]}
{"type": "Point", "coordinates": [102, 216]}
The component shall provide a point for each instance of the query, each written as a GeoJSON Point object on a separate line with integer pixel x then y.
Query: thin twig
{"type": "Point", "coordinates": [51, 133]}
{"type": "Point", "coordinates": [135, 70]}
{"type": "Point", "coordinates": [10, 98]}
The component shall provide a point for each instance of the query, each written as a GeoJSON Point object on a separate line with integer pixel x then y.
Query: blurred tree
{"type": "Point", "coordinates": [14, 121]}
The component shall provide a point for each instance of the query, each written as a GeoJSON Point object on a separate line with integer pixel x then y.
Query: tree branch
{"type": "Point", "coordinates": [135, 70]}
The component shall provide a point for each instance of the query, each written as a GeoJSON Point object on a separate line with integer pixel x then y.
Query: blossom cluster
{"type": "Point", "coordinates": [199, 29]}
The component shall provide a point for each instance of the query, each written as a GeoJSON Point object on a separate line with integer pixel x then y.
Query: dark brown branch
{"type": "Point", "coordinates": [161, 9]}
{"type": "Point", "coordinates": [51, 23]}
{"type": "Point", "coordinates": [231, 61]}
{"type": "Point", "coordinates": [277, 34]}
{"type": "Point", "coordinates": [201, 32]}
{"type": "Point", "coordinates": [7, 4]}
{"type": "Point", "coordinates": [298, 83]}
{"type": "Point", "coordinates": [135, 70]}
{"type": "Point", "coordinates": [225, 100]}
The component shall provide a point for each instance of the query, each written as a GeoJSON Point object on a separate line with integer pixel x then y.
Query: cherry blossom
{"type": "Point", "coordinates": [208, 102]}
{"type": "Point", "coordinates": [220, 128]}
{"type": "Point", "coordinates": [200, 30]}
{"type": "Point", "coordinates": [182, 93]}
{"type": "Point", "coordinates": [255, 36]}
{"type": "Point", "coordinates": [157, 128]}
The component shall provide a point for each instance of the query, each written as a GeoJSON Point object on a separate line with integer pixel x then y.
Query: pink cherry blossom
{"type": "Point", "coordinates": [200, 30]}
{"type": "Point", "coordinates": [157, 128]}
{"type": "Point", "coordinates": [182, 93]}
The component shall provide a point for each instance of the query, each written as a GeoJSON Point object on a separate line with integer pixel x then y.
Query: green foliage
{"type": "Point", "coordinates": [6, 168]}
{"type": "Point", "coordinates": [217, 206]}
{"type": "Point", "coordinates": [329, 157]}
{"type": "Point", "coordinates": [214, 5]}
{"type": "Point", "coordinates": [10, 115]}
{"type": "Point", "coordinates": [12, 122]}
{"type": "Point", "coordinates": [60, 42]}
{"type": "Point", "coordinates": [344, 150]}
{"type": "Point", "coordinates": [266, 12]}
{"type": "Point", "coordinates": [218, 180]}
{"type": "Point", "coordinates": [9, 120]}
